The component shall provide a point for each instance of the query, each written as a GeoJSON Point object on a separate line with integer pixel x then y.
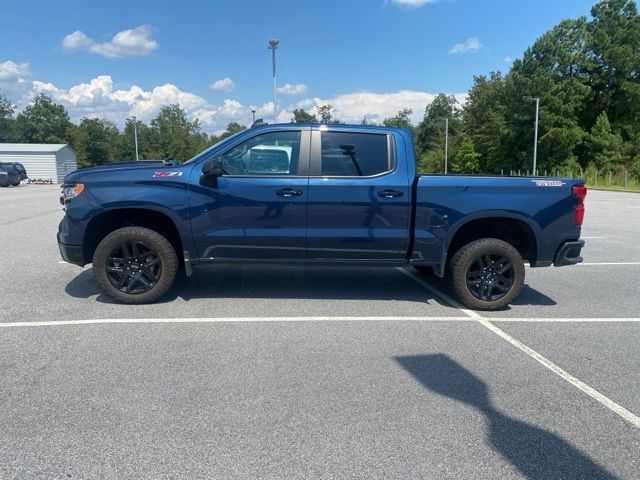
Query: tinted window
{"type": "Point", "coordinates": [346, 154]}
{"type": "Point", "coordinates": [274, 153]}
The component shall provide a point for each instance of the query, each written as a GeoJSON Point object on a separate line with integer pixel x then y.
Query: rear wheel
{"type": "Point", "coordinates": [487, 274]}
{"type": "Point", "coordinates": [135, 265]}
{"type": "Point", "coordinates": [15, 184]}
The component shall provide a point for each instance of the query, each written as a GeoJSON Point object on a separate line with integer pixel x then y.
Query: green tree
{"type": "Point", "coordinates": [613, 45]}
{"type": "Point", "coordinates": [400, 120]}
{"type": "Point", "coordinates": [605, 147]}
{"type": "Point", "coordinates": [232, 129]}
{"type": "Point", "coordinates": [7, 122]}
{"type": "Point", "coordinates": [324, 111]}
{"type": "Point", "coordinates": [430, 132]}
{"type": "Point", "coordinates": [485, 121]}
{"type": "Point", "coordinates": [302, 116]}
{"type": "Point", "coordinates": [43, 121]}
{"type": "Point", "coordinates": [177, 137]}
{"type": "Point", "coordinates": [95, 142]}
{"type": "Point", "coordinates": [466, 159]}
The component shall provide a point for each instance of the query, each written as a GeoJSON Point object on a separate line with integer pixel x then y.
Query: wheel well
{"type": "Point", "coordinates": [103, 224]}
{"type": "Point", "coordinates": [512, 231]}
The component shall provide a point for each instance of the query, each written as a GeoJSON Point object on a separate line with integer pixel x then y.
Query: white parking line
{"type": "Point", "coordinates": [107, 321]}
{"type": "Point", "coordinates": [587, 264]}
{"type": "Point", "coordinates": [592, 238]}
{"type": "Point", "coordinates": [579, 384]}
{"type": "Point", "coordinates": [99, 321]}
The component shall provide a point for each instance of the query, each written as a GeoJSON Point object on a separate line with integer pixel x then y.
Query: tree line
{"type": "Point", "coordinates": [585, 73]}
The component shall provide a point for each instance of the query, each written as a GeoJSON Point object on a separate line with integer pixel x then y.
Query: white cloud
{"type": "Point", "coordinates": [508, 60]}
{"type": "Point", "coordinates": [292, 90]}
{"type": "Point", "coordinates": [14, 72]}
{"type": "Point", "coordinates": [100, 98]}
{"type": "Point", "coordinates": [224, 84]}
{"type": "Point", "coordinates": [14, 78]}
{"type": "Point", "coordinates": [412, 3]}
{"type": "Point", "coordinates": [470, 45]}
{"type": "Point", "coordinates": [375, 107]}
{"type": "Point", "coordinates": [134, 42]}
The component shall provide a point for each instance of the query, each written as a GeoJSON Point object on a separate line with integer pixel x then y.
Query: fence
{"type": "Point", "coordinates": [593, 178]}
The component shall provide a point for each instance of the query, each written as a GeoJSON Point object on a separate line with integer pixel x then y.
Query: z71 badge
{"type": "Point", "coordinates": [548, 183]}
{"type": "Point", "coordinates": [160, 173]}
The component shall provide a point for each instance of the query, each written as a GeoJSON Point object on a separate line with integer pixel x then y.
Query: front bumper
{"type": "Point", "coordinates": [71, 253]}
{"type": "Point", "coordinates": [569, 253]}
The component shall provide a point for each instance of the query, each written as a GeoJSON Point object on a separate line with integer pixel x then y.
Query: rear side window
{"type": "Point", "coordinates": [346, 154]}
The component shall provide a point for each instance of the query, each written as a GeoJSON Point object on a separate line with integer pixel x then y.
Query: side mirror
{"type": "Point", "coordinates": [213, 168]}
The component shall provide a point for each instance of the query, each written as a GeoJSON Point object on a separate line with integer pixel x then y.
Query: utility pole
{"type": "Point", "coordinates": [135, 135]}
{"type": "Point", "coordinates": [446, 138]}
{"type": "Point", "coordinates": [446, 144]}
{"type": "Point", "coordinates": [273, 44]}
{"type": "Point", "coordinates": [535, 140]}
{"type": "Point", "coordinates": [535, 134]}
{"type": "Point", "coordinates": [253, 115]}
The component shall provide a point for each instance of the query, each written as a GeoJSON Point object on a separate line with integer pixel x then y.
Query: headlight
{"type": "Point", "coordinates": [69, 192]}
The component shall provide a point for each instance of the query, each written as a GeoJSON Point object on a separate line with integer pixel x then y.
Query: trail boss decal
{"type": "Point", "coordinates": [548, 183]}
{"type": "Point", "coordinates": [160, 173]}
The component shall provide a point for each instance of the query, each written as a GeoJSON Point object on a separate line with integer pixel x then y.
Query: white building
{"type": "Point", "coordinates": [45, 161]}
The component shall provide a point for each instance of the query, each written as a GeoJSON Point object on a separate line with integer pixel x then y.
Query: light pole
{"type": "Point", "coordinates": [446, 139]}
{"type": "Point", "coordinates": [535, 134]}
{"type": "Point", "coordinates": [135, 135]}
{"type": "Point", "coordinates": [253, 115]}
{"type": "Point", "coordinates": [446, 143]}
{"type": "Point", "coordinates": [273, 44]}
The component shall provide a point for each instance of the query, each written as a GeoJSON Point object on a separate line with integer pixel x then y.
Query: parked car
{"type": "Point", "coordinates": [21, 170]}
{"type": "Point", "coordinates": [13, 174]}
{"type": "Point", "coordinates": [4, 177]}
{"type": "Point", "coordinates": [320, 194]}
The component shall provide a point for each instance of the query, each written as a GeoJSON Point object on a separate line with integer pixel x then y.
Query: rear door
{"type": "Point", "coordinates": [359, 196]}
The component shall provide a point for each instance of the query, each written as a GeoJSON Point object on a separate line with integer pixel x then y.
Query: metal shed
{"type": "Point", "coordinates": [46, 161]}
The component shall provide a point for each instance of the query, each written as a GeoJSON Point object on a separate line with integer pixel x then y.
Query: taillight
{"type": "Point", "coordinates": [579, 192]}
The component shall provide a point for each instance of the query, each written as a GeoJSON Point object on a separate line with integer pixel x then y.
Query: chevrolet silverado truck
{"type": "Point", "coordinates": [315, 194]}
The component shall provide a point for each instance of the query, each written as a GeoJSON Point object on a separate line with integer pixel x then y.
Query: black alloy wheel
{"type": "Point", "coordinates": [133, 267]}
{"type": "Point", "coordinates": [487, 273]}
{"type": "Point", "coordinates": [490, 277]}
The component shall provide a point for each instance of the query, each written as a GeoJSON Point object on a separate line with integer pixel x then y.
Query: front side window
{"type": "Point", "coordinates": [346, 154]}
{"type": "Point", "coordinates": [274, 153]}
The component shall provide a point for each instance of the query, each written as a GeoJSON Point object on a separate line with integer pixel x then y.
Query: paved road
{"type": "Point", "coordinates": [443, 397]}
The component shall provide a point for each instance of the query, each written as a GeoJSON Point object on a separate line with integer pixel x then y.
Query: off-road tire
{"type": "Point", "coordinates": [466, 258]}
{"type": "Point", "coordinates": [164, 251]}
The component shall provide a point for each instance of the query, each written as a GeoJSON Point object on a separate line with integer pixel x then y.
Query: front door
{"type": "Point", "coordinates": [257, 208]}
{"type": "Point", "coordinates": [359, 197]}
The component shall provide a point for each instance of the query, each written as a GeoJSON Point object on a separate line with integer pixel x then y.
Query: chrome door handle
{"type": "Point", "coordinates": [288, 192]}
{"type": "Point", "coordinates": [390, 193]}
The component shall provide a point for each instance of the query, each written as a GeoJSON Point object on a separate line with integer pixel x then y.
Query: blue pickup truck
{"type": "Point", "coordinates": [321, 194]}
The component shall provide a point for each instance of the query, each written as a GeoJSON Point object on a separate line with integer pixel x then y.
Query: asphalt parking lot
{"type": "Point", "coordinates": [308, 372]}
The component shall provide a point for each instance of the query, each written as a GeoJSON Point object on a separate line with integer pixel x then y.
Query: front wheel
{"type": "Point", "coordinates": [487, 274]}
{"type": "Point", "coordinates": [135, 265]}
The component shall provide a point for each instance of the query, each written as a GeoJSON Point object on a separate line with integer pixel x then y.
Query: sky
{"type": "Point", "coordinates": [367, 58]}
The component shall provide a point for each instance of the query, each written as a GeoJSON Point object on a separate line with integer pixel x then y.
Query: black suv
{"type": "Point", "coordinates": [21, 169]}
{"type": "Point", "coordinates": [13, 175]}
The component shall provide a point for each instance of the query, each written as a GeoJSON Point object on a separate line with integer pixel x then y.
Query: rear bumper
{"type": "Point", "coordinates": [71, 253]}
{"type": "Point", "coordinates": [569, 253]}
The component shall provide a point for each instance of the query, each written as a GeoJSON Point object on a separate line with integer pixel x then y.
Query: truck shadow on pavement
{"type": "Point", "coordinates": [279, 282]}
{"type": "Point", "coordinates": [537, 453]}
{"type": "Point", "coordinates": [296, 282]}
